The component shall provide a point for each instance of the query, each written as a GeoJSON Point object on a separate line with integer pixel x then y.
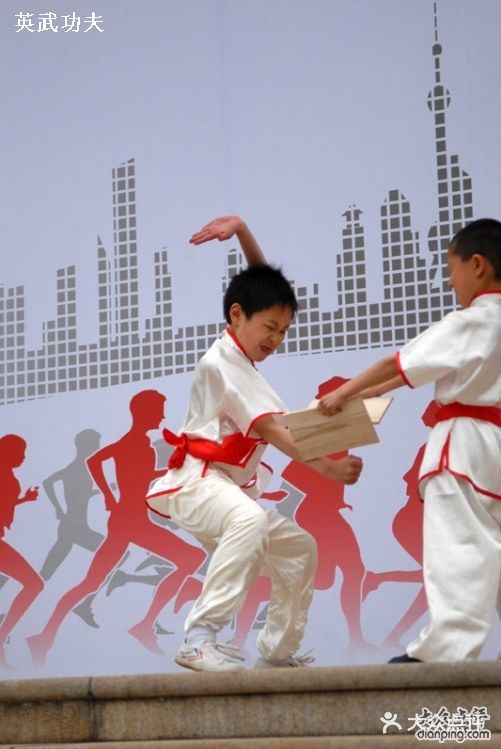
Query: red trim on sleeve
{"type": "Point", "coordinates": [261, 416]}
{"type": "Point", "coordinates": [401, 372]}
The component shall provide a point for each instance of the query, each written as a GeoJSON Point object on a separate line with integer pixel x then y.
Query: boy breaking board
{"type": "Point", "coordinates": [316, 435]}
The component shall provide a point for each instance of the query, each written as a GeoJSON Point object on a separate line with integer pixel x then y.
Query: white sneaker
{"type": "Point", "coordinates": [209, 656]}
{"type": "Point", "coordinates": [292, 661]}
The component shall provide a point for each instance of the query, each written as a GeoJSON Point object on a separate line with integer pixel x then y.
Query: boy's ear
{"type": "Point", "coordinates": [481, 265]}
{"type": "Point", "coordinates": [236, 312]}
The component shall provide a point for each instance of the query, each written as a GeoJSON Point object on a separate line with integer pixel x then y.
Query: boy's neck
{"type": "Point", "coordinates": [492, 287]}
{"type": "Point", "coordinates": [235, 338]}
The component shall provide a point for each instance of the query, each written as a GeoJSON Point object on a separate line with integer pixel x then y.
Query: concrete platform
{"type": "Point", "coordinates": [257, 709]}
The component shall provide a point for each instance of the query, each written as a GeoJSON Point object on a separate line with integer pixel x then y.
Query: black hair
{"type": "Point", "coordinates": [482, 237]}
{"type": "Point", "coordinates": [257, 288]}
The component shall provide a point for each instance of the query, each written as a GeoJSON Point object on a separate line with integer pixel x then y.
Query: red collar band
{"type": "Point", "coordinates": [239, 345]}
{"type": "Point", "coordinates": [484, 293]}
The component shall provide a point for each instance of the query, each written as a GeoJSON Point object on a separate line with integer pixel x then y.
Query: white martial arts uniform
{"type": "Point", "coordinates": [460, 478]}
{"type": "Point", "coordinates": [215, 501]}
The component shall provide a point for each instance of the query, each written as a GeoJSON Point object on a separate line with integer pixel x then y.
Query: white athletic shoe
{"type": "Point", "coordinates": [292, 661]}
{"type": "Point", "coordinates": [209, 656]}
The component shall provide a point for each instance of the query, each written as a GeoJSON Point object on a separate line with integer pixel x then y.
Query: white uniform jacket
{"type": "Point", "coordinates": [462, 355]}
{"type": "Point", "coordinates": [227, 397]}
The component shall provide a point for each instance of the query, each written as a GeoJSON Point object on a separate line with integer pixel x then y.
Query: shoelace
{"type": "Point", "coordinates": [302, 660]}
{"type": "Point", "coordinates": [229, 650]}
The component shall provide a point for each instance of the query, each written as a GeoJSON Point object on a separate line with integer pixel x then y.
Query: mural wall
{"type": "Point", "coordinates": [355, 138]}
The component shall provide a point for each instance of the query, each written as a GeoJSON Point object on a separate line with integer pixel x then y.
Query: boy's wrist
{"type": "Point", "coordinates": [242, 228]}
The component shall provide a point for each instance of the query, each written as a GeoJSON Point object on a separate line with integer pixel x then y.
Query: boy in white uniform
{"type": "Point", "coordinates": [460, 476]}
{"type": "Point", "coordinates": [216, 472]}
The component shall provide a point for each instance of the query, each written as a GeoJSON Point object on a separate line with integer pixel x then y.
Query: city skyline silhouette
{"type": "Point", "coordinates": [130, 348]}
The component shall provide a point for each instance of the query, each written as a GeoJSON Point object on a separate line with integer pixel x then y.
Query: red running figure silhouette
{"type": "Point", "coordinates": [129, 522]}
{"type": "Point", "coordinates": [12, 563]}
{"type": "Point", "coordinates": [408, 530]}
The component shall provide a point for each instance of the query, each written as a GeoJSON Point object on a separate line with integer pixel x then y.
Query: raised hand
{"type": "Point", "coordinates": [221, 228]}
{"type": "Point", "coordinates": [30, 495]}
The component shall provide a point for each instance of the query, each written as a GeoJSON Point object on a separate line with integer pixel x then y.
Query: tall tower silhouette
{"type": "Point", "coordinates": [455, 200]}
{"type": "Point", "coordinates": [125, 266]}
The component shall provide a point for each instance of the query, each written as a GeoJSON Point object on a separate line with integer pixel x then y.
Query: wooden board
{"type": "Point", "coordinates": [316, 435]}
{"type": "Point", "coordinates": [376, 407]}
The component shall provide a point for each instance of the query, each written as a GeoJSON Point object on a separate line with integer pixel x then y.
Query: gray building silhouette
{"type": "Point", "coordinates": [128, 349]}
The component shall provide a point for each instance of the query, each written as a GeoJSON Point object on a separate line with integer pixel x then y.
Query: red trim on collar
{"type": "Point", "coordinates": [484, 293]}
{"type": "Point", "coordinates": [239, 345]}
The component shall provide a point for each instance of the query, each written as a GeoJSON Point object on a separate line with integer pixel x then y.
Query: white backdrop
{"type": "Point", "coordinates": [286, 113]}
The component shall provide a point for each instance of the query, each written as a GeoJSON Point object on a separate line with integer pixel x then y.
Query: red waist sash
{"type": "Point", "coordinates": [232, 450]}
{"type": "Point", "coordinates": [485, 413]}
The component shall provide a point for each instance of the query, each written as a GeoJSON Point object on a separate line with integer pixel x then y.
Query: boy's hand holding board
{"type": "Point", "coordinates": [316, 435]}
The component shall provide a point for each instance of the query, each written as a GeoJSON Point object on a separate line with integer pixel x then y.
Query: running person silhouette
{"type": "Point", "coordinates": [129, 522]}
{"type": "Point", "coordinates": [12, 563]}
{"type": "Point", "coordinates": [73, 529]}
{"type": "Point", "coordinates": [407, 528]}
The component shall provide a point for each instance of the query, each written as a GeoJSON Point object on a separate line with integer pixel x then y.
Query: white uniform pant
{"type": "Point", "coordinates": [462, 569]}
{"type": "Point", "coordinates": [247, 541]}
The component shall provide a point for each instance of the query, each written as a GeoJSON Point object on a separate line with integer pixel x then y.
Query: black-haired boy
{"type": "Point", "coordinates": [460, 475]}
{"type": "Point", "coordinates": [216, 472]}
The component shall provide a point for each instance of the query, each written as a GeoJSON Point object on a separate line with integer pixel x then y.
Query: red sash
{"type": "Point", "coordinates": [485, 413]}
{"type": "Point", "coordinates": [232, 450]}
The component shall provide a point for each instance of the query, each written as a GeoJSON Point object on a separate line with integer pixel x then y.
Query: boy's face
{"type": "Point", "coordinates": [465, 276]}
{"type": "Point", "coordinates": [261, 333]}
